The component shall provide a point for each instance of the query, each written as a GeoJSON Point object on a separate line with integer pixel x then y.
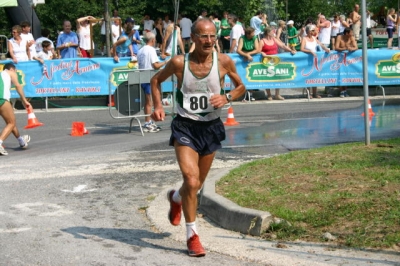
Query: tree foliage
{"type": "Point", "coordinates": [54, 12]}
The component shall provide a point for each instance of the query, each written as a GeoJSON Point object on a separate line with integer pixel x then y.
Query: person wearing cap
{"type": "Point", "coordinates": [273, 26]}
{"type": "Point", "coordinates": [124, 44]}
{"type": "Point", "coordinates": [135, 38]}
{"type": "Point", "coordinates": [309, 45]}
{"type": "Point", "coordinates": [292, 35]}
{"type": "Point", "coordinates": [325, 28]}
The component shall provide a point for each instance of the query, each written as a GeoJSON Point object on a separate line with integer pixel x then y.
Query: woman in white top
{"type": "Point", "coordinates": [18, 48]}
{"type": "Point", "coordinates": [84, 34]}
{"type": "Point", "coordinates": [309, 45]}
{"type": "Point", "coordinates": [335, 30]}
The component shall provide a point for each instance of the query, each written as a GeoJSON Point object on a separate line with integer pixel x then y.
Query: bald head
{"type": "Point", "coordinates": [202, 22]}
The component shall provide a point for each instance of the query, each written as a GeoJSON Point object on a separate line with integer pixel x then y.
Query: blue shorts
{"type": "Point", "coordinates": [146, 88]}
{"type": "Point", "coordinates": [390, 32]}
{"type": "Point", "coordinates": [203, 137]}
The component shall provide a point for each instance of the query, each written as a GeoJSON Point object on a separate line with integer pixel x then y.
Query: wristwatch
{"type": "Point", "coordinates": [228, 97]}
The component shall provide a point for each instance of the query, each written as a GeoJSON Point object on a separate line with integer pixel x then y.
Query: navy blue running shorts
{"type": "Point", "coordinates": [204, 137]}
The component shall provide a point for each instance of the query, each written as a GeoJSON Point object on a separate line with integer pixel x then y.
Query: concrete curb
{"type": "Point", "coordinates": [228, 214]}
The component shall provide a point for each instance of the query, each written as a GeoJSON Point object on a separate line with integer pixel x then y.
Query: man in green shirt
{"type": "Point", "coordinates": [225, 33]}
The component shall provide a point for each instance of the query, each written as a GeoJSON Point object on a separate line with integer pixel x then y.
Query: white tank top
{"type": "Point", "coordinates": [325, 34]}
{"type": "Point", "coordinates": [312, 46]}
{"type": "Point", "coordinates": [84, 37]}
{"type": "Point", "coordinates": [335, 30]}
{"type": "Point", "coordinates": [193, 98]}
{"type": "Point", "coordinates": [341, 27]}
{"type": "Point", "coordinates": [5, 85]}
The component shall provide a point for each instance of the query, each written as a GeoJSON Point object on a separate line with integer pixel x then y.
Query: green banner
{"type": "Point", "coordinates": [4, 3]}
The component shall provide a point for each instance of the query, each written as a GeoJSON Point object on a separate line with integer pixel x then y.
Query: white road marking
{"type": "Point", "coordinates": [79, 189]}
{"type": "Point", "coordinates": [43, 209]}
{"type": "Point", "coordinates": [15, 230]}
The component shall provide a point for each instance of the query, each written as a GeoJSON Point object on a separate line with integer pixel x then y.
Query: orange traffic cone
{"type": "Point", "coordinates": [370, 112]}
{"type": "Point", "coordinates": [32, 120]}
{"type": "Point", "coordinates": [111, 103]}
{"type": "Point", "coordinates": [78, 129]}
{"type": "Point", "coordinates": [230, 121]}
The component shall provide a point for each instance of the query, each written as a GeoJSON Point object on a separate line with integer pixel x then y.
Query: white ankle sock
{"type": "Point", "coordinates": [190, 230]}
{"type": "Point", "coordinates": [21, 140]}
{"type": "Point", "coordinates": [177, 197]}
{"type": "Point", "coordinates": [1, 142]}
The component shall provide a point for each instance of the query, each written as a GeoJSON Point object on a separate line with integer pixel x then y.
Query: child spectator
{"type": "Point", "coordinates": [292, 35]}
{"type": "Point", "coordinates": [45, 54]}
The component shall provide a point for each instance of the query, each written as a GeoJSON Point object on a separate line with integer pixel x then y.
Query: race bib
{"type": "Point", "coordinates": [196, 103]}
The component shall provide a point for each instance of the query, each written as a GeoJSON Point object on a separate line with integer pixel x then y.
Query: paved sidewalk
{"type": "Point", "coordinates": [217, 239]}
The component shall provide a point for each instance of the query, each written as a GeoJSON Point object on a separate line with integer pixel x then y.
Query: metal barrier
{"type": "Point", "coordinates": [128, 97]}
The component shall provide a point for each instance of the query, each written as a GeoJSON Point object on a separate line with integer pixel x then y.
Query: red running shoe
{"type": "Point", "coordinates": [175, 209]}
{"type": "Point", "coordinates": [195, 249]}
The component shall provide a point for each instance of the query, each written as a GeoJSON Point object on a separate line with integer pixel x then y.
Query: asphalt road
{"type": "Point", "coordinates": [82, 200]}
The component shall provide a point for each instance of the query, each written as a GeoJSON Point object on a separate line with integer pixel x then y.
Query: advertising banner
{"type": "Point", "coordinates": [96, 76]}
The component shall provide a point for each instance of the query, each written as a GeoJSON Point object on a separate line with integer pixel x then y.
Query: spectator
{"type": "Point", "coordinates": [45, 54]}
{"type": "Point", "coordinates": [343, 24]}
{"type": "Point", "coordinates": [203, 14]}
{"type": "Point", "coordinates": [115, 30]}
{"type": "Point", "coordinates": [167, 48]}
{"type": "Point", "coordinates": [225, 33]}
{"type": "Point", "coordinates": [281, 33]}
{"type": "Point", "coordinates": [166, 23]}
{"type": "Point", "coordinates": [115, 16]}
{"type": "Point", "coordinates": [17, 47]}
{"type": "Point", "coordinates": [302, 32]}
{"type": "Point", "coordinates": [325, 28]}
{"type": "Point", "coordinates": [85, 36]}
{"type": "Point", "coordinates": [356, 20]}
{"type": "Point", "coordinates": [346, 42]}
{"type": "Point", "coordinates": [217, 24]}
{"type": "Point", "coordinates": [269, 45]}
{"type": "Point", "coordinates": [148, 59]}
{"type": "Point", "coordinates": [256, 22]}
{"type": "Point", "coordinates": [7, 77]}
{"type": "Point", "coordinates": [159, 32]}
{"type": "Point", "coordinates": [45, 37]}
{"type": "Point", "coordinates": [123, 45]}
{"type": "Point", "coordinates": [27, 36]}
{"type": "Point", "coordinates": [371, 24]}
{"type": "Point", "coordinates": [273, 26]}
{"type": "Point", "coordinates": [248, 44]}
{"type": "Point", "coordinates": [237, 31]}
{"type": "Point", "coordinates": [135, 38]}
{"type": "Point", "coordinates": [381, 17]}
{"type": "Point", "coordinates": [309, 45]}
{"type": "Point", "coordinates": [335, 30]}
{"type": "Point", "coordinates": [391, 20]}
{"type": "Point", "coordinates": [186, 25]}
{"type": "Point", "coordinates": [148, 24]}
{"type": "Point", "coordinates": [67, 42]}
{"type": "Point", "coordinates": [292, 35]}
